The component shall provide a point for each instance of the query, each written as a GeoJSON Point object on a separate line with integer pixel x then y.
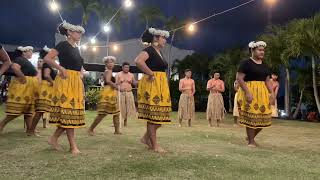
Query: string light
{"type": "Point", "coordinates": [94, 49]}
{"type": "Point", "coordinates": [107, 28]}
{"type": "Point", "coordinates": [128, 4]}
{"type": "Point", "coordinates": [84, 47]}
{"type": "Point", "coordinates": [191, 28]}
{"type": "Point", "coordinates": [93, 40]}
{"type": "Point", "coordinates": [270, 2]}
{"type": "Point", "coordinates": [53, 6]}
{"type": "Point", "coordinates": [115, 47]}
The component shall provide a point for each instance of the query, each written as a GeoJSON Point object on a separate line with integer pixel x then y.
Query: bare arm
{"type": "Point", "coordinates": [141, 63]}
{"type": "Point", "coordinates": [50, 59]}
{"type": "Point", "coordinates": [276, 90]}
{"type": "Point", "coordinates": [134, 81]}
{"type": "Point", "coordinates": [222, 87]}
{"type": "Point", "coordinates": [17, 71]}
{"type": "Point", "coordinates": [193, 88]}
{"type": "Point", "coordinates": [108, 77]}
{"type": "Point", "coordinates": [47, 76]}
{"type": "Point", "coordinates": [6, 61]}
{"type": "Point", "coordinates": [209, 87]}
{"type": "Point", "coordinates": [181, 85]}
{"type": "Point", "coordinates": [242, 84]}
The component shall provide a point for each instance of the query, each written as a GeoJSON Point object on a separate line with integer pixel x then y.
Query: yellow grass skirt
{"type": "Point", "coordinates": [127, 105]}
{"type": "Point", "coordinates": [108, 103]}
{"type": "Point", "coordinates": [21, 97]}
{"type": "Point", "coordinates": [68, 101]}
{"type": "Point", "coordinates": [257, 114]}
{"type": "Point", "coordinates": [43, 97]}
{"type": "Point", "coordinates": [186, 107]}
{"type": "Point", "coordinates": [154, 102]}
{"type": "Point", "coordinates": [215, 107]}
{"type": "Point", "coordinates": [235, 106]}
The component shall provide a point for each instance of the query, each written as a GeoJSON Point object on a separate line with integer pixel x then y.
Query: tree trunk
{"type": "Point", "coordinates": [295, 114]}
{"type": "Point", "coordinates": [230, 100]}
{"type": "Point", "coordinates": [314, 83]}
{"type": "Point", "coordinates": [287, 93]}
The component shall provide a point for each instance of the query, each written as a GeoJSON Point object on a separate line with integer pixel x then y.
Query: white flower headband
{"type": "Point", "coordinates": [46, 49]}
{"type": "Point", "coordinates": [158, 32]}
{"type": "Point", "coordinates": [109, 58]}
{"type": "Point", "coordinates": [26, 48]}
{"type": "Point", "coordinates": [72, 27]}
{"type": "Point", "coordinates": [254, 44]}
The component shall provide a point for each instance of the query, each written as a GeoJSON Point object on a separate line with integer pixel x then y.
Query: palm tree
{"type": "Point", "coordinates": [303, 76]}
{"type": "Point", "coordinates": [304, 40]}
{"type": "Point", "coordinates": [227, 64]}
{"type": "Point", "coordinates": [87, 7]}
{"type": "Point", "coordinates": [105, 13]}
{"type": "Point", "coordinates": [149, 14]}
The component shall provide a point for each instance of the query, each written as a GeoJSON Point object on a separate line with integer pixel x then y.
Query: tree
{"type": "Point", "coordinates": [303, 76]}
{"type": "Point", "coordinates": [304, 40]}
{"type": "Point", "coordinates": [87, 7]}
{"type": "Point", "coordinates": [227, 64]}
{"type": "Point", "coordinates": [149, 14]}
{"type": "Point", "coordinates": [105, 13]}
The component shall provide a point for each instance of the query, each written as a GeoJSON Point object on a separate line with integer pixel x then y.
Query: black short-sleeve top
{"type": "Point", "coordinates": [155, 62]}
{"type": "Point", "coordinates": [26, 66]}
{"type": "Point", "coordinates": [254, 71]}
{"type": "Point", "coordinates": [69, 56]}
{"type": "Point", "coordinates": [53, 73]}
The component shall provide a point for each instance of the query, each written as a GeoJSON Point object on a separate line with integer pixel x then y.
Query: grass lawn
{"type": "Point", "coordinates": [289, 150]}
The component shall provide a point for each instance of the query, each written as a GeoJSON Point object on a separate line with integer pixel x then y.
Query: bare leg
{"type": "Point", "coordinates": [53, 140]}
{"type": "Point", "coordinates": [95, 123]}
{"type": "Point", "coordinates": [125, 122]}
{"type": "Point", "coordinates": [153, 138]}
{"type": "Point", "coordinates": [146, 139]}
{"type": "Point", "coordinates": [251, 135]}
{"type": "Point", "coordinates": [35, 121]}
{"type": "Point", "coordinates": [235, 121]}
{"type": "Point", "coordinates": [189, 122]}
{"type": "Point", "coordinates": [28, 119]}
{"type": "Point", "coordinates": [44, 123]}
{"type": "Point", "coordinates": [116, 123]}
{"type": "Point", "coordinates": [218, 122]}
{"type": "Point", "coordinates": [5, 121]}
{"type": "Point", "coordinates": [210, 123]}
{"type": "Point", "coordinates": [73, 146]}
{"type": "Point", "coordinates": [180, 122]}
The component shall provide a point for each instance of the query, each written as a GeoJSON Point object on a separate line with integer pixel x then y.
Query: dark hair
{"type": "Point", "coordinates": [42, 54]}
{"type": "Point", "coordinates": [147, 37]}
{"type": "Point", "coordinates": [125, 64]}
{"type": "Point", "coordinates": [187, 70]}
{"type": "Point", "coordinates": [17, 53]}
{"type": "Point", "coordinates": [62, 30]}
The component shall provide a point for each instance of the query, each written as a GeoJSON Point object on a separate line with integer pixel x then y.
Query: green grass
{"type": "Point", "coordinates": [289, 150]}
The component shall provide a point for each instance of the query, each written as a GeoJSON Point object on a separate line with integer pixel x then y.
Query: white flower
{"type": "Point", "coordinates": [158, 32]}
{"type": "Point", "coordinates": [252, 44]}
{"type": "Point", "coordinates": [45, 48]}
{"type": "Point", "coordinates": [109, 58]}
{"type": "Point", "coordinates": [26, 48]}
{"type": "Point", "coordinates": [257, 44]}
{"type": "Point", "coordinates": [72, 27]}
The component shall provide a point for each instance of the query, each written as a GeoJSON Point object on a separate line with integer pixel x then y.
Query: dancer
{"type": "Point", "coordinates": [235, 104]}
{"type": "Point", "coordinates": [186, 102]}
{"type": "Point", "coordinates": [5, 59]}
{"type": "Point", "coordinates": [215, 107]}
{"type": "Point", "coordinates": [44, 96]}
{"type": "Point", "coordinates": [67, 110]}
{"type": "Point", "coordinates": [154, 103]}
{"type": "Point", "coordinates": [275, 88]}
{"type": "Point", "coordinates": [126, 80]}
{"type": "Point", "coordinates": [108, 103]}
{"type": "Point", "coordinates": [255, 95]}
{"type": "Point", "coordinates": [22, 89]}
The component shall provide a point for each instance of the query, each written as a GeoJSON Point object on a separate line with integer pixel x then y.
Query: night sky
{"type": "Point", "coordinates": [29, 22]}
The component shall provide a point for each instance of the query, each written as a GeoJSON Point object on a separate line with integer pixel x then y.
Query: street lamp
{"type": "Point", "coordinates": [53, 6]}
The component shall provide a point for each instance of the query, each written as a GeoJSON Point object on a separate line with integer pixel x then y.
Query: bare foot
{"type": "Point", "coordinates": [54, 144]}
{"type": "Point", "coordinates": [33, 134]}
{"type": "Point", "coordinates": [159, 150]}
{"type": "Point", "coordinates": [91, 133]}
{"type": "Point", "coordinates": [117, 133]}
{"type": "Point", "coordinates": [180, 125]}
{"type": "Point", "coordinates": [252, 145]}
{"type": "Point", "coordinates": [75, 151]}
{"type": "Point", "coordinates": [144, 140]}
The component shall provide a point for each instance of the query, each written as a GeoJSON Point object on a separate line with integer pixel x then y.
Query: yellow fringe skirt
{"type": "Point", "coordinates": [257, 114]}
{"type": "Point", "coordinates": [68, 101]}
{"type": "Point", "coordinates": [127, 105]}
{"type": "Point", "coordinates": [186, 107]}
{"type": "Point", "coordinates": [21, 97]}
{"type": "Point", "coordinates": [215, 107]}
{"type": "Point", "coordinates": [154, 102]}
{"type": "Point", "coordinates": [108, 103]}
{"type": "Point", "coordinates": [43, 97]}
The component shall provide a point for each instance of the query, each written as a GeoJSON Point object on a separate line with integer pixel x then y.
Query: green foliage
{"type": "Point", "coordinates": [92, 98]}
{"type": "Point", "coordinates": [87, 7]}
{"type": "Point", "coordinates": [150, 14]}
